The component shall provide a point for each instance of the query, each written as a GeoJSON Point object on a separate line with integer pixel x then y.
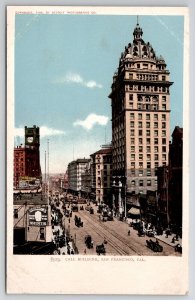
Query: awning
{"type": "Point", "coordinates": [134, 211]}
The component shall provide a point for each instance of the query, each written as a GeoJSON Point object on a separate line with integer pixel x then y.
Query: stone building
{"type": "Point", "coordinates": [75, 169]}
{"type": "Point", "coordinates": [101, 172]}
{"type": "Point", "coordinates": [140, 101]}
{"type": "Point", "coordinates": [27, 158]}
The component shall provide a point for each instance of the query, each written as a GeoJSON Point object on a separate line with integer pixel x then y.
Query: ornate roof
{"type": "Point", "coordinates": [140, 50]}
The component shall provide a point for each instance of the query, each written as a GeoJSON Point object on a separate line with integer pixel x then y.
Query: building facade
{"type": "Point", "coordinates": [170, 183]}
{"type": "Point", "coordinates": [75, 169]}
{"type": "Point", "coordinates": [101, 172]}
{"type": "Point", "coordinates": [140, 102]}
{"type": "Point", "coordinates": [27, 158]}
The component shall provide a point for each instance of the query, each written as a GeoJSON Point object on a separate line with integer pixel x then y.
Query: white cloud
{"type": "Point", "coordinates": [91, 120]}
{"type": "Point", "coordinates": [44, 132]}
{"type": "Point", "coordinates": [77, 79]}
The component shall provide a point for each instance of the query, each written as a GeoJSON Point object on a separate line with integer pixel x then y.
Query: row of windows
{"type": "Point", "coordinates": [141, 182]}
{"type": "Point", "coordinates": [148, 156]}
{"type": "Point", "coordinates": [148, 148]}
{"type": "Point", "coordinates": [148, 165]}
{"type": "Point", "coordinates": [155, 117]}
{"type": "Point", "coordinates": [148, 124]}
{"type": "Point", "coordinates": [156, 133]}
{"type": "Point", "coordinates": [147, 106]}
{"type": "Point", "coordinates": [150, 77]}
{"type": "Point", "coordinates": [147, 88]}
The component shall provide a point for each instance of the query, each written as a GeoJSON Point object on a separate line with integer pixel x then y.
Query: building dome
{"type": "Point", "coordinates": [140, 50]}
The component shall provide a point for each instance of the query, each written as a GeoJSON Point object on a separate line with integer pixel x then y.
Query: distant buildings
{"type": "Point", "coordinates": [140, 101]}
{"type": "Point", "coordinates": [101, 175]}
{"type": "Point", "coordinates": [27, 159]}
{"type": "Point", "coordinates": [75, 170]}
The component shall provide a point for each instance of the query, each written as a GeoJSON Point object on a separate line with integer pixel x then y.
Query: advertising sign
{"type": "Point", "coordinates": [38, 216]}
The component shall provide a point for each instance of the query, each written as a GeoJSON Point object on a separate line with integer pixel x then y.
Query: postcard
{"type": "Point", "coordinates": [97, 145]}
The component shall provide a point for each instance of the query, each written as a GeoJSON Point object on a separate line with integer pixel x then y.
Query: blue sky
{"type": "Point", "coordinates": [63, 73]}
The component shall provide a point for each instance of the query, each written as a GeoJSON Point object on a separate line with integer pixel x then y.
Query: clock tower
{"type": "Point", "coordinates": [32, 137]}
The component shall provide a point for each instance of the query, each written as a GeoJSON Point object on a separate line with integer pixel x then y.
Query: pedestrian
{"type": "Point", "coordinates": [69, 220]}
{"type": "Point", "coordinates": [173, 240]}
{"type": "Point", "coordinates": [129, 232]}
{"type": "Point", "coordinates": [85, 251]}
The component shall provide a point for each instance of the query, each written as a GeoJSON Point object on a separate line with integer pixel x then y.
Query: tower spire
{"type": "Point", "coordinates": [137, 20]}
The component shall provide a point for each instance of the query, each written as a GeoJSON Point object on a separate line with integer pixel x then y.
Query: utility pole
{"type": "Point", "coordinates": [48, 170]}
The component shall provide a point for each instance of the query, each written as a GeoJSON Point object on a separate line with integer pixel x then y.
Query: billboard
{"type": "Point", "coordinates": [38, 216]}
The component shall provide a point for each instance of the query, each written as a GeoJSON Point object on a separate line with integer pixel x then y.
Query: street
{"type": "Point", "coordinates": [115, 233]}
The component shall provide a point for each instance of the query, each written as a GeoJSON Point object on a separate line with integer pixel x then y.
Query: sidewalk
{"type": "Point", "coordinates": [168, 240]}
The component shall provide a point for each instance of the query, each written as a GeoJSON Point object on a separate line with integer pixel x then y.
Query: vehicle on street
{"type": "Point", "coordinates": [178, 248]}
{"type": "Point", "coordinates": [154, 246]}
{"type": "Point", "coordinates": [88, 241]}
{"type": "Point", "coordinates": [75, 207]}
{"type": "Point", "coordinates": [91, 211]}
{"type": "Point", "coordinates": [100, 249]}
{"type": "Point", "coordinates": [78, 221]}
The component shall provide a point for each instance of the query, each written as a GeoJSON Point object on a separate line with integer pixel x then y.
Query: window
{"type": "Point", "coordinates": [141, 156]}
{"type": "Point", "coordinates": [156, 165]}
{"type": "Point", "coordinates": [155, 148]}
{"type": "Point", "coordinates": [156, 141]}
{"type": "Point", "coordinates": [139, 116]}
{"type": "Point", "coordinates": [148, 106]}
{"type": "Point", "coordinates": [163, 99]}
{"type": "Point", "coordinates": [130, 76]}
{"type": "Point", "coordinates": [163, 106]}
{"type": "Point", "coordinates": [131, 124]}
{"type": "Point", "coordinates": [163, 141]}
{"type": "Point", "coordinates": [141, 165]}
{"type": "Point", "coordinates": [148, 157]}
{"type": "Point", "coordinates": [163, 132]}
{"type": "Point", "coordinates": [148, 141]}
{"type": "Point", "coordinates": [148, 165]}
{"type": "Point", "coordinates": [145, 66]}
{"type": "Point", "coordinates": [140, 132]}
{"type": "Point", "coordinates": [131, 105]}
{"type": "Point", "coordinates": [149, 182]}
{"type": "Point", "coordinates": [42, 233]}
{"type": "Point", "coordinates": [163, 78]}
{"type": "Point", "coordinates": [148, 172]}
{"type": "Point", "coordinates": [155, 117]}
{"type": "Point", "coordinates": [140, 172]}
{"type": "Point", "coordinates": [155, 107]}
{"type": "Point", "coordinates": [15, 213]}
{"type": "Point", "coordinates": [132, 156]}
{"type": "Point", "coordinates": [163, 148]}
{"type": "Point", "coordinates": [148, 149]}
{"type": "Point", "coordinates": [148, 132]}
{"type": "Point", "coordinates": [140, 141]}
{"type": "Point", "coordinates": [155, 132]}
{"type": "Point", "coordinates": [132, 149]}
{"type": "Point", "coordinates": [163, 117]}
{"type": "Point", "coordinates": [132, 141]}
{"type": "Point", "coordinates": [133, 172]}
{"type": "Point", "coordinates": [132, 132]}
{"type": "Point", "coordinates": [155, 124]}
{"type": "Point", "coordinates": [133, 183]}
{"type": "Point", "coordinates": [147, 124]}
{"type": "Point", "coordinates": [164, 157]}
{"type": "Point", "coordinates": [141, 182]}
{"type": "Point", "coordinates": [139, 106]}
{"type": "Point", "coordinates": [132, 165]}
{"type": "Point", "coordinates": [140, 149]}
{"type": "Point", "coordinates": [140, 124]}
{"type": "Point", "coordinates": [130, 96]}
{"type": "Point", "coordinates": [138, 66]}
{"type": "Point", "coordinates": [132, 116]}
{"type": "Point", "coordinates": [163, 125]}
{"type": "Point", "coordinates": [155, 156]}
{"type": "Point", "coordinates": [147, 116]}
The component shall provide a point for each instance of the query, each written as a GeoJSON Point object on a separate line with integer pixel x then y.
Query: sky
{"type": "Point", "coordinates": [64, 66]}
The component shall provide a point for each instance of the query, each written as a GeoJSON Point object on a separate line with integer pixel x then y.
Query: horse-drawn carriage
{"type": "Point", "coordinates": [88, 241]}
{"type": "Point", "coordinates": [154, 246]}
{"type": "Point", "coordinates": [78, 221]}
{"type": "Point", "coordinates": [100, 249]}
{"type": "Point", "coordinates": [91, 210]}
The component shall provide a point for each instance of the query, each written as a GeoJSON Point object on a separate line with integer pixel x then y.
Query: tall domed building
{"type": "Point", "coordinates": [140, 102]}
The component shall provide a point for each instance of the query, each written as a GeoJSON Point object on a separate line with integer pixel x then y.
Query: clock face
{"type": "Point", "coordinates": [30, 139]}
